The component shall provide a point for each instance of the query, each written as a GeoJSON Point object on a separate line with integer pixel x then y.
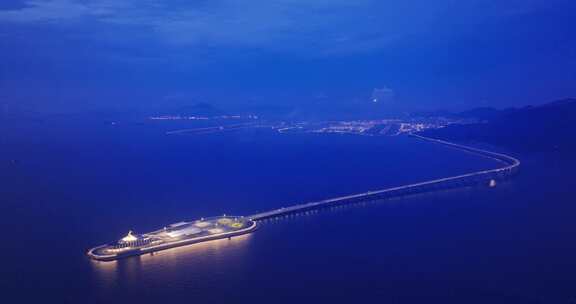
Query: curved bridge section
{"type": "Point", "coordinates": [509, 167]}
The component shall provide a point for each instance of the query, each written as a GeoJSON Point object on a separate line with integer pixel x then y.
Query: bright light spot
{"type": "Point", "coordinates": [224, 221]}
{"type": "Point", "coordinates": [236, 225]}
{"type": "Point", "coordinates": [130, 237]}
{"type": "Point", "coordinates": [215, 230]}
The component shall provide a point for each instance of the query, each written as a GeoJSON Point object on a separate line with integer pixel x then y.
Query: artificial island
{"type": "Point", "coordinates": [174, 235]}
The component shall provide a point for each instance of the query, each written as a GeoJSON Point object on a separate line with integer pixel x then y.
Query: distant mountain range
{"type": "Point", "coordinates": [549, 127]}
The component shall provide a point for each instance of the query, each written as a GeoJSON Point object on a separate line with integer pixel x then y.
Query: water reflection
{"type": "Point", "coordinates": [198, 265]}
{"type": "Point", "coordinates": [196, 251]}
{"type": "Point", "coordinates": [107, 272]}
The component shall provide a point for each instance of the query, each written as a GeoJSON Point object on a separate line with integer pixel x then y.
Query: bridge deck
{"type": "Point", "coordinates": [510, 165]}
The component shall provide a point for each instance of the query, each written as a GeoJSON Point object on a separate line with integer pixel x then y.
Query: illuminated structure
{"type": "Point", "coordinates": [130, 237]}
{"type": "Point", "coordinates": [175, 235]}
{"type": "Point", "coordinates": [184, 233]}
{"type": "Point", "coordinates": [509, 167]}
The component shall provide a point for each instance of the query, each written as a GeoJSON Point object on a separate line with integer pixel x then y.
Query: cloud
{"type": "Point", "coordinates": [322, 26]}
{"type": "Point", "coordinates": [46, 11]}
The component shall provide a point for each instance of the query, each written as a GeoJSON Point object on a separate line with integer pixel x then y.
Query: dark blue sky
{"type": "Point", "coordinates": [70, 55]}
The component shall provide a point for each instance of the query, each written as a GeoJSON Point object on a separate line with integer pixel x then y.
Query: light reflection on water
{"type": "Point", "coordinates": [107, 272]}
{"type": "Point", "coordinates": [195, 255]}
{"type": "Point", "coordinates": [210, 252]}
{"type": "Point", "coordinates": [169, 261]}
{"type": "Point", "coordinates": [432, 244]}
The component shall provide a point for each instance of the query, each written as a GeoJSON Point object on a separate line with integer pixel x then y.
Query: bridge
{"type": "Point", "coordinates": [509, 167]}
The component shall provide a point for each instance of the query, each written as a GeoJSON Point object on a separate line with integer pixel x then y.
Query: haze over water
{"type": "Point", "coordinates": [94, 182]}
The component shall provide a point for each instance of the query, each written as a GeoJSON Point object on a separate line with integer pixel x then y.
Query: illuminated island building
{"type": "Point", "coordinates": [174, 235]}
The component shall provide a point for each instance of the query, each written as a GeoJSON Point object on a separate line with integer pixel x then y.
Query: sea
{"type": "Point", "coordinates": [67, 186]}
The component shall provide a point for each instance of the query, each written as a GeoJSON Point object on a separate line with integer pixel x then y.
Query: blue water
{"type": "Point", "coordinates": [77, 185]}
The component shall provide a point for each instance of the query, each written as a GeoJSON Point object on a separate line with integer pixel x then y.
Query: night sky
{"type": "Point", "coordinates": [74, 55]}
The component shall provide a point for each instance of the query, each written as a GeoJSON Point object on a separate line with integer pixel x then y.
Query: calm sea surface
{"type": "Point", "coordinates": [66, 187]}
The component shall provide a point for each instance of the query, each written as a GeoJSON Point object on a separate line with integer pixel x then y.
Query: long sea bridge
{"type": "Point", "coordinates": [490, 177]}
{"type": "Point", "coordinates": [184, 233]}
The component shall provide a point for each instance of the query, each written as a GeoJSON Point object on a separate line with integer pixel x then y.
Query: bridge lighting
{"type": "Point", "coordinates": [132, 244]}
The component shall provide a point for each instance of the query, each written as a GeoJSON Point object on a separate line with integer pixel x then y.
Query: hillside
{"type": "Point", "coordinates": [549, 127]}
